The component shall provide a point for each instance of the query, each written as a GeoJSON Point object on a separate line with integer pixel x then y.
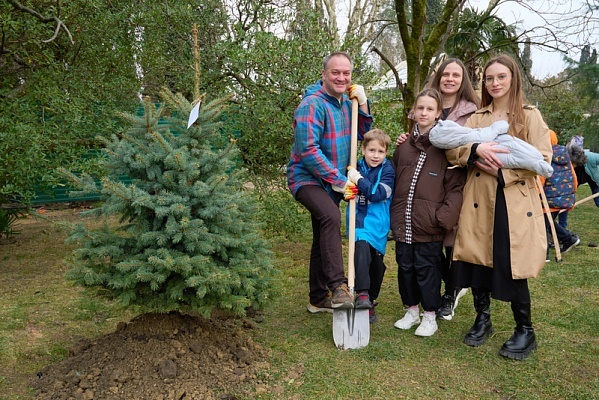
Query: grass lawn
{"type": "Point", "coordinates": [42, 315]}
{"type": "Point", "coordinates": [399, 365]}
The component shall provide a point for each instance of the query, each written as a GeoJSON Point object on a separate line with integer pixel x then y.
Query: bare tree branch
{"type": "Point", "coordinates": [398, 82]}
{"type": "Point", "coordinates": [566, 25]}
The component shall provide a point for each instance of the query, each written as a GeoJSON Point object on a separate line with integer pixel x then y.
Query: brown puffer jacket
{"type": "Point", "coordinates": [437, 195]}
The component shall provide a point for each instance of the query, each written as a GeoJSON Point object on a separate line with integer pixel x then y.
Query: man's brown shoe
{"type": "Point", "coordinates": [342, 298]}
{"type": "Point", "coordinates": [324, 305]}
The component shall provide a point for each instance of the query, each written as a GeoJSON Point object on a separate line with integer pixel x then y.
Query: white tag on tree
{"type": "Point", "coordinates": [194, 114]}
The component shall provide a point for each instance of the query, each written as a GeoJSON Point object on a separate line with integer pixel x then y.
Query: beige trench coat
{"type": "Point", "coordinates": [528, 241]}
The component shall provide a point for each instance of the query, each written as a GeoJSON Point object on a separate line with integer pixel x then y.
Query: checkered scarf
{"type": "Point", "coordinates": [419, 164]}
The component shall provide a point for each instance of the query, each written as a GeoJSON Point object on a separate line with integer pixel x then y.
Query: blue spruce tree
{"type": "Point", "coordinates": [187, 236]}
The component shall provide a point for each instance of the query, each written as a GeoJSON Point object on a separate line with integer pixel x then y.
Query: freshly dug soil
{"type": "Point", "coordinates": [160, 356]}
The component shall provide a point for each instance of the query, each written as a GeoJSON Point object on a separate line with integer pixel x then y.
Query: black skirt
{"type": "Point", "coordinates": [499, 278]}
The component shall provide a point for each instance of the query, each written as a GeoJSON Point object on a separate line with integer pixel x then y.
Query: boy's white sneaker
{"type": "Point", "coordinates": [411, 318]}
{"type": "Point", "coordinates": [428, 327]}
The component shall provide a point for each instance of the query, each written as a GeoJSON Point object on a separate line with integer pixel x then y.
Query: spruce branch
{"type": "Point", "coordinates": [185, 223]}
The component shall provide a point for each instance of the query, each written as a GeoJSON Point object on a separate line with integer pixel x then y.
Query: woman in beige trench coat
{"type": "Point", "coordinates": [501, 232]}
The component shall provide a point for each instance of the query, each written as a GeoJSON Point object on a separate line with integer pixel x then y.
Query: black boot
{"type": "Point", "coordinates": [523, 341]}
{"type": "Point", "coordinates": [482, 327]}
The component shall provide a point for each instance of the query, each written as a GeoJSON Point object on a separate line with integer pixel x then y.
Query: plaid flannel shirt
{"type": "Point", "coordinates": [322, 131]}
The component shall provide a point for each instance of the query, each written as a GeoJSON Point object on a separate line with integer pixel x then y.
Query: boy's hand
{"type": "Point", "coordinates": [353, 175]}
{"type": "Point", "coordinates": [349, 190]}
{"type": "Point", "coordinates": [357, 92]}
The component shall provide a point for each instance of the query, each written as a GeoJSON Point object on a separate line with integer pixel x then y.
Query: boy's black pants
{"type": "Point", "coordinates": [370, 269]}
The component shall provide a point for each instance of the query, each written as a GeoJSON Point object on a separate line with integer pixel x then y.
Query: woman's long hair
{"type": "Point", "coordinates": [516, 96]}
{"type": "Point", "coordinates": [466, 90]}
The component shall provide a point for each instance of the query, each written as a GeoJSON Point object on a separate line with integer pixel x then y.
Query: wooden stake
{"type": "Point", "coordinates": [558, 253]}
{"type": "Point", "coordinates": [196, 93]}
{"type": "Point", "coordinates": [579, 202]}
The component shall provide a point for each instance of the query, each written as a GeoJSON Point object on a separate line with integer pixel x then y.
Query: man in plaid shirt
{"type": "Point", "coordinates": [316, 173]}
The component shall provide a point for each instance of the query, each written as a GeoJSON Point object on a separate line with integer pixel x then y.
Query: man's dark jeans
{"type": "Point", "coordinates": [326, 259]}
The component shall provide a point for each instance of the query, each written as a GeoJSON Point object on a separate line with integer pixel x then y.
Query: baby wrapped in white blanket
{"type": "Point", "coordinates": [449, 135]}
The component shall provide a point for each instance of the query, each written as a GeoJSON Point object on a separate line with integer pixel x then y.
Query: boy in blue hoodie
{"type": "Point", "coordinates": [374, 177]}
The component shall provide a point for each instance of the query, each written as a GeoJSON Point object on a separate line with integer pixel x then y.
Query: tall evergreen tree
{"type": "Point", "coordinates": [187, 237]}
{"type": "Point", "coordinates": [526, 57]}
{"type": "Point", "coordinates": [585, 86]}
{"type": "Point", "coordinates": [585, 54]}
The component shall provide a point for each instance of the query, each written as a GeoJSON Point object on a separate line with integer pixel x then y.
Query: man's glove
{"type": "Point", "coordinates": [349, 190]}
{"type": "Point", "coordinates": [353, 175]}
{"type": "Point", "coordinates": [357, 92]}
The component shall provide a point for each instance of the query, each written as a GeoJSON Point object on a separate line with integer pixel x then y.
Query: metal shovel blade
{"type": "Point", "coordinates": [351, 328]}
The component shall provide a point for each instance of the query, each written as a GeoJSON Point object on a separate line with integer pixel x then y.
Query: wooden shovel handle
{"type": "Point", "coordinates": [352, 203]}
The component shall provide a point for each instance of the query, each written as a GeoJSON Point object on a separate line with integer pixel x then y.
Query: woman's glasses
{"type": "Point", "coordinates": [500, 78]}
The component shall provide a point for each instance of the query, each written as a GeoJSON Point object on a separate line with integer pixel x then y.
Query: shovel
{"type": "Point", "coordinates": [547, 211]}
{"type": "Point", "coordinates": [351, 327]}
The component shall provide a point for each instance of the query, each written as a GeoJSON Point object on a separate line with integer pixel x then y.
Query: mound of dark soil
{"type": "Point", "coordinates": [159, 356]}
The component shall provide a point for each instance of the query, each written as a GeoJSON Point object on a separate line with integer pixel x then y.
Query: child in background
{"type": "Point", "coordinates": [560, 189]}
{"type": "Point", "coordinates": [425, 207]}
{"type": "Point", "coordinates": [577, 140]}
{"type": "Point", "coordinates": [374, 177]}
{"type": "Point", "coordinates": [586, 165]}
